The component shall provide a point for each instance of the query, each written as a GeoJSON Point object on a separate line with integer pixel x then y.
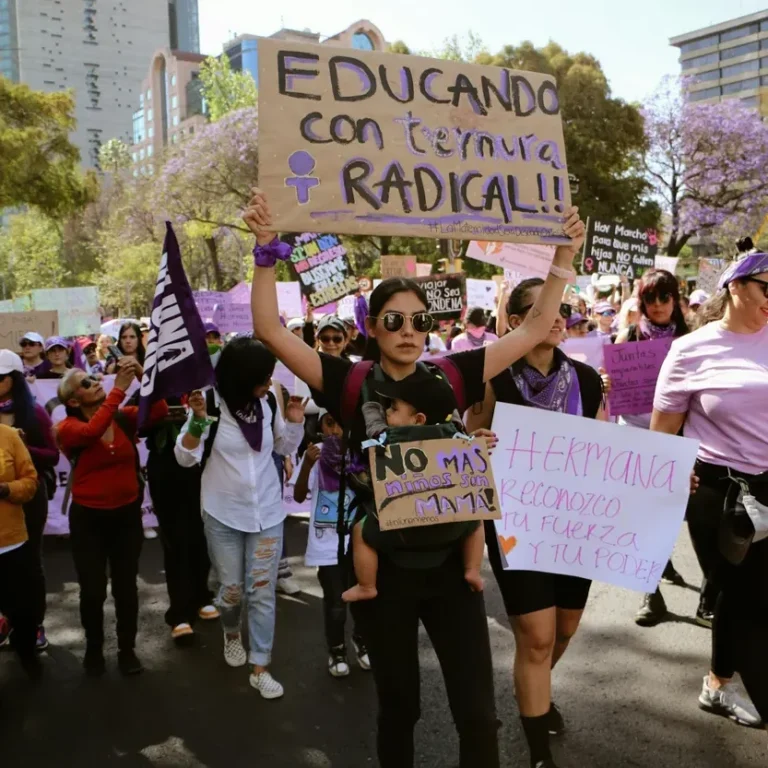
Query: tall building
{"type": "Point", "coordinates": [184, 23]}
{"type": "Point", "coordinates": [98, 48]}
{"type": "Point", "coordinates": [728, 61]}
{"type": "Point", "coordinates": [363, 35]}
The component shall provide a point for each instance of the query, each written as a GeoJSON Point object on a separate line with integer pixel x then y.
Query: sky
{"type": "Point", "coordinates": [630, 38]}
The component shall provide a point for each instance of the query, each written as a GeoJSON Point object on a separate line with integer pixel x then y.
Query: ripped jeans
{"type": "Point", "coordinates": [251, 560]}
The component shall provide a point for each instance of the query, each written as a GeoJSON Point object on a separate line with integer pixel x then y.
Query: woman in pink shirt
{"type": "Point", "coordinates": [714, 384]}
{"type": "Point", "coordinates": [476, 334]}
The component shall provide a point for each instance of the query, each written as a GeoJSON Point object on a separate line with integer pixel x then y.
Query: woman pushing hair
{"type": "Point", "coordinates": [427, 584]}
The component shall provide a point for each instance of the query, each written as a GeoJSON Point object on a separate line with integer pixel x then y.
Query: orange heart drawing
{"type": "Point", "coordinates": [508, 543]}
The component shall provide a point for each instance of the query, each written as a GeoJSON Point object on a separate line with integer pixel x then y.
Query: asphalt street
{"type": "Point", "coordinates": [629, 695]}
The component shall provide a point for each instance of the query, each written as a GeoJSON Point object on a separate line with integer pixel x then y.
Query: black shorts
{"type": "Point", "coordinates": [528, 591]}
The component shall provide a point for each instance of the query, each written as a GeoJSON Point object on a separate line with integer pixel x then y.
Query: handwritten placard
{"type": "Point", "coordinates": [613, 248]}
{"type": "Point", "coordinates": [525, 260]}
{"type": "Point", "coordinates": [587, 349]}
{"type": "Point", "coordinates": [207, 301]}
{"type": "Point", "coordinates": [323, 268]}
{"type": "Point", "coordinates": [482, 293]}
{"type": "Point", "coordinates": [398, 266]}
{"type": "Point", "coordinates": [363, 142]}
{"type": "Point", "coordinates": [433, 481]}
{"type": "Point", "coordinates": [709, 273]}
{"type": "Point", "coordinates": [445, 294]}
{"type": "Point", "coordinates": [634, 369]}
{"type": "Point", "coordinates": [289, 299]}
{"type": "Point", "coordinates": [13, 325]}
{"type": "Point", "coordinates": [588, 498]}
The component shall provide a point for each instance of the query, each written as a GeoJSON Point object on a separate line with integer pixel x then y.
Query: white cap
{"type": "Point", "coordinates": [32, 336]}
{"type": "Point", "coordinates": [10, 361]}
{"type": "Point", "coordinates": [699, 296]}
{"type": "Point", "coordinates": [297, 322]}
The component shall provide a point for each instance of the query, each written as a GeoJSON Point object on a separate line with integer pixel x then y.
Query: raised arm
{"type": "Point", "coordinates": [538, 322]}
{"type": "Point", "coordinates": [301, 359]}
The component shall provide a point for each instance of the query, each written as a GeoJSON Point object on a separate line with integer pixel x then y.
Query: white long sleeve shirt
{"type": "Point", "coordinates": [241, 487]}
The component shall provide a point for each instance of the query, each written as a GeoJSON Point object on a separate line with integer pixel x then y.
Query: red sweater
{"type": "Point", "coordinates": [105, 473]}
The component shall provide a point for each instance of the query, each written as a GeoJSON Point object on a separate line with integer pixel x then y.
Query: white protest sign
{"type": "Point", "coordinates": [669, 263]}
{"type": "Point", "coordinates": [586, 349]}
{"type": "Point", "coordinates": [587, 498]}
{"type": "Point", "coordinates": [78, 308]}
{"type": "Point", "coordinates": [528, 260]}
{"type": "Point", "coordinates": [482, 293]}
{"type": "Point", "coordinates": [289, 299]}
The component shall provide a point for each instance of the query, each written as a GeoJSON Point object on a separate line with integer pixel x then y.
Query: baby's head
{"type": "Point", "coordinates": [421, 398]}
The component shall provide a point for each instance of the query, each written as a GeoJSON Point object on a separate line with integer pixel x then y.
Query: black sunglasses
{"type": "Point", "coordinates": [392, 321]}
{"type": "Point", "coordinates": [331, 339]}
{"type": "Point", "coordinates": [88, 382]}
{"type": "Point", "coordinates": [566, 310]}
{"type": "Point", "coordinates": [651, 297]}
{"type": "Point", "coordinates": [757, 280]}
{"type": "Point", "coordinates": [27, 343]}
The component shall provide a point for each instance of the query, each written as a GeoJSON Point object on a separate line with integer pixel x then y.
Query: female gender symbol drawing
{"type": "Point", "coordinates": [302, 164]}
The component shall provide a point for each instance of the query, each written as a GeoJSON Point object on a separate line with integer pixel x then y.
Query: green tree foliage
{"type": "Point", "coordinates": [127, 275]}
{"type": "Point", "coordinates": [399, 47]}
{"type": "Point", "coordinates": [224, 90]}
{"type": "Point", "coordinates": [39, 165]}
{"type": "Point", "coordinates": [114, 156]}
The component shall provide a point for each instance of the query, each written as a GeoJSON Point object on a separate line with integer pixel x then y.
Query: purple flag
{"type": "Point", "coordinates": [177, 359]}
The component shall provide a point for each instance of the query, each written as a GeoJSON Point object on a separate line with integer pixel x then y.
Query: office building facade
{"type": "Point", "coordinates": [98, 49]}
{"type": "Point", "coordinates": [727, 61]}
{"type": "Point", "coordinates": [184, 25]}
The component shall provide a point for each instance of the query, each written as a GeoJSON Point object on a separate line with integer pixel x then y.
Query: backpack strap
{"type": "Point", "coordinates": [352, 389]}
{"type": "Point", "coordinates": [455, 379]}
{"type": "Point", "coordinates": [212, 409]}
{"type": "Point", "coordinates": [272, 400]}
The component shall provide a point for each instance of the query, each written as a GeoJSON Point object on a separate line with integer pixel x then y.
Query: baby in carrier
{"type": "Point", "coordinates": [418, 400]}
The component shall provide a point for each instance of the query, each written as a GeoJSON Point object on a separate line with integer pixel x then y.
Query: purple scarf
{"type": "Point", "coordinates": [329, 464]}
{"type": "Point", "coordinates": [6, 406]}
{"type": "Point", "coordinates": [558, 391]}
{"type": "Point", "coordinates": [647, 330]}
{"type": "Point", "coordinates": [361, 312]}
{"type": "Point", "coordinates": [251, 422]}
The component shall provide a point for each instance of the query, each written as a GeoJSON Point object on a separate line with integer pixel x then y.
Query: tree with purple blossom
{"type": "Point", "coordinates": [705, 162]}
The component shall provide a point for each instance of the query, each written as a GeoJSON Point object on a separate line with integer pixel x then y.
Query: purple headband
{"type": "Point", "coordinates": [753, 264]}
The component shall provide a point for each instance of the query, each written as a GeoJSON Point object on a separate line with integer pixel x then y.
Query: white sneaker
{"type": "Point", "coordinates": [266, 685]}
{"type": "Point", "coordinates": [729, 702]}
{"type": "Point", "coordinates": [208, 613]}
{"type": "Point", "coordinates": [150, 533]}
{"type": "Point", "coordinates": [234, 653]}
{"type": "Point", "coordinates": [362, 655]}
{"type": "Point", "coordinates": [338, 665]}
{"type": "Point", "coordinates": [288, 586]}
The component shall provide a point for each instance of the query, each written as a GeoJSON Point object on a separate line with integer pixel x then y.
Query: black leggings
{"type": "Point", "coordinates": [455, 620]}
{"type": "Point", "coordinates": [740, 626]}
{"type": "Point", "coordinates": [334, 581]}
{"type": "Point", "coordinates": [36, 516]}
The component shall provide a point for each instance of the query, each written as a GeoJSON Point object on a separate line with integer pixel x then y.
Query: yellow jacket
{"type": "Point", "coordinates": [18, 472]}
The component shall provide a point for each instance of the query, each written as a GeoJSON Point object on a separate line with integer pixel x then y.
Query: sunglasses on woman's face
{"type": "Point", "coordinates": [762, 283]}
{"type": "Point", "coordinates": [331, 339]}
{"type": "Point", "coordinates": [26, 343]}
{"type": "Point", "coordinates": [422, 322]}
{"type": "Point", "coordinates": [566, 310]}
{"type": "Point", "coordinates": [88, 382]}
{"type": "Point", "coordinates": [653, 297]}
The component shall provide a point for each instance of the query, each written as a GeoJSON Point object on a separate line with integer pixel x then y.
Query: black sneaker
{"type": "Point", "coordinates": [671, 576]}
{"type": "Point", "coordinates": [555, 722]}
{"type": "Point", "coordinates": [338, 666]}
{"type": "Point", "coordinates": [652, 610]}
{"type": "Point", "coordinates": [128, 663]}
{"type": "Point", "coordinates": [704, 617]}
{"type": "Point", "coordinates": [93, 663]}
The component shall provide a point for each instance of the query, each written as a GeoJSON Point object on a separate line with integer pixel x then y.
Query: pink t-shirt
{"type": "Point", "coordinates": [462, 343]}
{"type": "Point", "coordinates": [720, 379]}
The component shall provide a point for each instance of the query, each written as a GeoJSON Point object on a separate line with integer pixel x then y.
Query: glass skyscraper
{"type": "Point", "coordinates": [184, 23]}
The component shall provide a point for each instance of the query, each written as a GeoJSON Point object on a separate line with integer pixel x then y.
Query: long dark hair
{"type": "Point", "coordinates": [244, 365]}
{"type": "Point", "coordinates": [24, 416]}
{"type": "Point", "coordinates": [518, 299]}
{"type": "Point", "coordinates": [660, 281]}
{"type": "Point", "coordinates": [140, 351]}
{"type": "Point", "coordinates": [381, 295]}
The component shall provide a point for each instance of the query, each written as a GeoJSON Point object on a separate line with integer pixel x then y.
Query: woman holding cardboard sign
{"type": "Point", "coordinates": [544, 608]}
{"type": "Point", "coordinates": [714, 384]}
{"type": "Point", "coordinates": [429, 585]}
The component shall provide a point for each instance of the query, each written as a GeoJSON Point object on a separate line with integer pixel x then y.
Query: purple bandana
{"type": "Point", "coordinates": [6, 406]}
{"type": "Point", "coordinates": [559, 391]}
{"type": "Point", "coordinates": [647, 330]}
{"type": "Point", "coordinates": [269, 255]}
{"type": "Point", "coordinates": [251, 422]}
{"type": "Point", "coordinates": [753, 264]}
{"type": "Point", "coordinates": [329, 464]}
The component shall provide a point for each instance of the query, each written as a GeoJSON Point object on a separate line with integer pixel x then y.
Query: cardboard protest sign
{"type": "Point", "coordinates": [363, 142]}
{"type": "Point", "coordinates": [482, 293]}
{"type": "Point", "coordinates": [398, 266]}
{"type": "Point", "coordinates": [612, 248]}
{"type": "Point", "coordinates": [13, 325]}
{"type": "Point", "coordinates": [323, 268]}
{"type": "Point", "coordinates": [78, 308]}
{"type": "Point", "coordinates": [588, 498]}
{"type": "Point", "coordinates": [634, 369]}
{"type": "Point", "coordinates": [709, 273]}
{"type": "Point", "coordinates": [587, 349]}
{"type": "Point", "coordinates": [445, 294]}
{"type": "Point", "coordinates": [526, 260]}
{"type": "Point", "coordinates": [433, 481]}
